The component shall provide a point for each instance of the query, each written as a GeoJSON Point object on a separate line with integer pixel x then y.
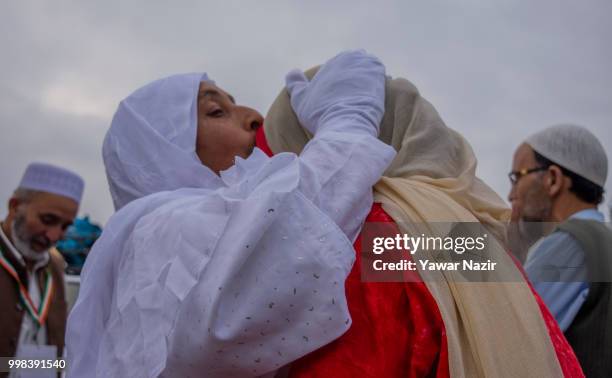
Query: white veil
{"type": "Point", "coordinates": [150, 145]}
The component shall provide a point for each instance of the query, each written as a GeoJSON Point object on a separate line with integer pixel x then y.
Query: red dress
{"type": "Point", "coordinates": [397, 329]}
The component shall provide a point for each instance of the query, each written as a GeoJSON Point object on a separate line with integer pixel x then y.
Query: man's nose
{"type": "Point", "coordinates": [512, 194]}
{"type": "Point", "coordinates": [55, 234]}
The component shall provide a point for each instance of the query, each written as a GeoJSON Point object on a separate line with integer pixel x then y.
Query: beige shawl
{"type": "Point", "coordinates": [494, 328]}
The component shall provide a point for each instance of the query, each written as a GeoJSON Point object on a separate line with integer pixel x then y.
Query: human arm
{"type": "Point", "coordinates": [342, 106]}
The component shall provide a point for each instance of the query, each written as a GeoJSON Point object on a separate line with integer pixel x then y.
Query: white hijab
{"type": "Point", "coordinates": [215, 274]}
{"type": "Point", "coordinates": [150, 146]}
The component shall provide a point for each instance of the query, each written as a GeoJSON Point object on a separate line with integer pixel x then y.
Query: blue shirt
{"type": "Point", "coordinates": [557, 268]}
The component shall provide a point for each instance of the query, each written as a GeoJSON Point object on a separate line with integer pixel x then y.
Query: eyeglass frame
{"type": "Point", "coordinates": [515, 176]}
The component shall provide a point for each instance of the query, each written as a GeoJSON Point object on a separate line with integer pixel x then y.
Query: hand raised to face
{"type": "Point", "coordinates": [349, 86]}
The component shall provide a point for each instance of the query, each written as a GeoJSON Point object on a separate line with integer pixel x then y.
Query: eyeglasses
{"type": "Point", "coordinates": [515, 176]}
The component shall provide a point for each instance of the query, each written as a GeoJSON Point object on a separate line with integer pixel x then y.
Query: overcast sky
{"type": "Point", "coordinates": [495, 72]}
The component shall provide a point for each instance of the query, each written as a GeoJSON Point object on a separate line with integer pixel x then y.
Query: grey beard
{"type": "Point", "coordinates": [24, 248]}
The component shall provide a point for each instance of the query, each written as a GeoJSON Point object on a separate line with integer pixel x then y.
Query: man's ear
{"type": "Point", "coordinates": [556, 181]}
{"type": "Point", "coordinates": [13, 204]}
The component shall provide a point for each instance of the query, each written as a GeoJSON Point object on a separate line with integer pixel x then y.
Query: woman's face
{"type": "Point", "coordinates": [225, 130]}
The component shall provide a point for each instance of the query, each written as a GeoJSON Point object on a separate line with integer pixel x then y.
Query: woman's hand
{"type": "Point", "coordinates": [350, 87]}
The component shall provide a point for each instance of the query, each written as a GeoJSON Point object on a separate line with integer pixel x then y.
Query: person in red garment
{"type": "Point", "coordinates": [434, 327]}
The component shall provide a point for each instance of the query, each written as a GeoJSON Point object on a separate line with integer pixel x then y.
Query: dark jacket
{"type": "Point", "coordinates": [590, 334]}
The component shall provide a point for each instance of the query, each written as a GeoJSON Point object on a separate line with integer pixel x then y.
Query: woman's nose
{"type": "Point", "coordinates": [252, 120]}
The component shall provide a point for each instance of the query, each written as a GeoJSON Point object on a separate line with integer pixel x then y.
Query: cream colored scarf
{"type": "Point", "coordinates": [494, 328]}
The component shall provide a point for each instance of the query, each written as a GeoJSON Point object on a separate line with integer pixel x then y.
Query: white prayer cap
{"type": "Point", "coordinates": [150, 146]}
{"type": "Point", "coordinates": [574, 148]}
{"type": "Point", "coordinates": [52, 179]}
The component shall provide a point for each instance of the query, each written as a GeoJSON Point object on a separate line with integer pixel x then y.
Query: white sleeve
{"type": "Point", "coordinates": [343, 106]}
{"type": "Point", "coordinates": [338, 168]}
{"type": "Point", "coordinates": [232, 283]}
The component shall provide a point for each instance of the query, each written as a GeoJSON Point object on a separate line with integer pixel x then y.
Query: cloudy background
{"type": "Point", "coordinates": [495, 72]}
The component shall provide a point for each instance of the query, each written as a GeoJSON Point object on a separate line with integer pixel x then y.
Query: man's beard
{"type": "Point", "coordinates": [533, 224]}
{"type": "Point", "coordinates": [538, 205]}
{"type": "Point", "coordinates": [22, 241]}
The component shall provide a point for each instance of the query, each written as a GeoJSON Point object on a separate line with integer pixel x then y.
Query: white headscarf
{"type": "Point", "coordinates": [150, 146]}
{"type": "Point", "coordinates": [215, 274]}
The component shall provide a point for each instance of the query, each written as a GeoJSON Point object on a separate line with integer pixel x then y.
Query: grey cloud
{"type": "Point", "coordinates": [496, 72]}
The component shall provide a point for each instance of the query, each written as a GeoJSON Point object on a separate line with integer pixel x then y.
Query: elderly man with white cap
{"type": "Point", "coordinates": [34, 310]}
{"type": "Point", "coordinates": [558, 176]}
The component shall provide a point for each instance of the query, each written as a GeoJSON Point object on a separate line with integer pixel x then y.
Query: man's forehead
{"type": "Point", "coordinates": [524, 155]}
{"type": "Point", "coordinates": [54, 203]}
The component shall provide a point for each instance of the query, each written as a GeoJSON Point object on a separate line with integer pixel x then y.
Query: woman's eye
{"type": "Point", "coordinates": [215, 113]}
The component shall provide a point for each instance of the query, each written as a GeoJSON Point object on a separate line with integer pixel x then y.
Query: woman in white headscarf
{"type": "Point", "coordinates": [221, 269]}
